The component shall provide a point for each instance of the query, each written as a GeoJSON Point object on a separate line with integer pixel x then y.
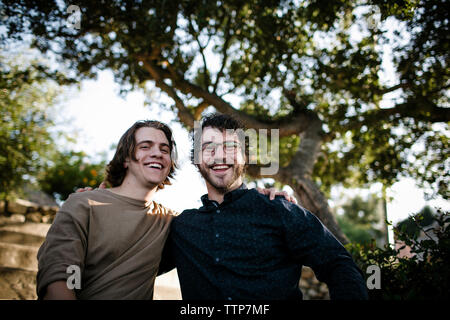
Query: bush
{"type": "Point", "coordinates": [69, 171]}
{"type": "Point", "coordinates": [425, 275]}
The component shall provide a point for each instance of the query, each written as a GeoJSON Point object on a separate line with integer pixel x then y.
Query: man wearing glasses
{"type": "Point", "coordinates": [240, 245]}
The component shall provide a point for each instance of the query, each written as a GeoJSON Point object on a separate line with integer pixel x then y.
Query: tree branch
{"type": "Point", "coordinates": [294, 123]}
{"type": "Point", "coordinates": [288, 125]}
{"type": "Point", "coordinates": [199, 109]}
{"type": "Point", "coordinates": [183, 113]}
{"type": "Point", "coordinates": [201, 49]}
{"type": "Point", "coordinates": [226, 45]}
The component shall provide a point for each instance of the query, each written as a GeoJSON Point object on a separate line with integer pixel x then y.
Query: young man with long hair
{"type": "Point", "coordinates": [113, 237]}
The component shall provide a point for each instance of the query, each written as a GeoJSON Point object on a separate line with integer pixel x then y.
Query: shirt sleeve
{"type": "Point", "coordinates": [310, 243]}
{"type": "Point", "coordinates": [167, 260]}
{"type": "Point", "coordinates": [65, 243]}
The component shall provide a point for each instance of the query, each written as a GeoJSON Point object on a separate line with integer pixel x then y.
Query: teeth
{"type": "Point", "coordinates": [220, 167]}
{"type": "Point", "coordinates": [155, 165]}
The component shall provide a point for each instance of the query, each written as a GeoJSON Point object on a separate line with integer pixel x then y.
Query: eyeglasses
{"type": "Point", "coordinates": [228, 147]}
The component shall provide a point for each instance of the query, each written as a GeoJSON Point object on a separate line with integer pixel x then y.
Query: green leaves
{"type": "Point", "coordinates": [424, 273]}
{"type": "Point", "coordinates": [68, 171]}
{"type": "Point", "coordinates": [374, 72]}
{"type": "Point", "coordinates": [25, 141]}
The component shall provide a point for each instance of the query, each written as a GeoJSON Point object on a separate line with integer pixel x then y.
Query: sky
{"type": "Point", "coordinates": [98, 117]}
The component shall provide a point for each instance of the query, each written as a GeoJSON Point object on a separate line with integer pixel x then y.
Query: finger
{"type": "Point", "coordinates": [293, 200]}
{"type": "Point", "coordinates": [272, 193]}
{"type": "Point", "coordinates": [102, 185]}
{"type": "Point", "coordinates": [263, 191]}
{"type": "Point", "coordinates": [285, 195]}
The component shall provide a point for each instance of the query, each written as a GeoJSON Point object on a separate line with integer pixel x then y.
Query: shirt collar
{"type": "Point", "coordinates": [228, 197]}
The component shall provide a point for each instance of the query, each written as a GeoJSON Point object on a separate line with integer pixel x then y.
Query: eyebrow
{"type": "Point", "coordinates": [209, 142]}
{"type": "Point", "coordinates": [163, 144]}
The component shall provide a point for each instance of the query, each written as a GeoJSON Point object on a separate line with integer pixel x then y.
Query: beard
{"type": "Point", "coordinates": [224, 187]}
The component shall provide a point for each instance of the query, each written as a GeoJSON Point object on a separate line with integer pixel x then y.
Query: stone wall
{"type": "Point", "coordinates": [19, 211]}
{"type": "Point", "coordinates": [312, 288]}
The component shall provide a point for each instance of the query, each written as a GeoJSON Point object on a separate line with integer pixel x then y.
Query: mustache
{"type": "Point", "coordinates": [223, 162]}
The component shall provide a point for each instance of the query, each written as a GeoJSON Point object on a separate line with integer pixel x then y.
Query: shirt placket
{"type": "Point", "coordinates": [217, 219]}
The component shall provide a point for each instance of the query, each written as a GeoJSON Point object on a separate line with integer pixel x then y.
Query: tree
{"type": "Point", "coordinates": [296, 66]}
{"type": "Point", "coordinates": [413, 225]}
{"type": "Point", "coordinates": [26, 100]}
{"type": "Point", "coordinates": [423, 276]}
{"type": "Point", "coordinates": [361, 218]}
{"type": "Point", "coordinates": [69, 170]}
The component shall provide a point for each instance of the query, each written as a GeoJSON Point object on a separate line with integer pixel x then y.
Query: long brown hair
{"type": "Point", "coordinates": [115, 170]}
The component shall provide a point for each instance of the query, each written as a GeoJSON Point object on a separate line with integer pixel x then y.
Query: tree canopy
{"type": "Point", "coordinates": [26, 100]}
{"type": "Point", "coordinates": [362, 219]}
{"type": "Point", "coordinates": [357, 89]}
{"type": "Point", "coordinates": [30, 156]}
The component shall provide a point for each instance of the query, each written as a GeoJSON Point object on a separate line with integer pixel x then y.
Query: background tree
{"type": "Point", "coordinates": [32, 150]}
{"type": "Point", "coordinates": [415, 223]}
{"type": "Point", "coordinates": [26, 100]}
{"type": "Point", "coordinates": [425, 275]}
{"type": "Point", "coordinates": [312, 69]}
{"type": "Point", "coordinates": [68, 171]}
{"type": "Point", "coordinates": [361, 219]}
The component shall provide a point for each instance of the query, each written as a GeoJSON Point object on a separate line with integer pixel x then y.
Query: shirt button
{"type": "Point", "coordinates": [217, 259]}
{"type": "Point", "coordinates": [217, 235]}
{"type": "Point", "coordinates": [218, 210]}
{"type": "Point", "coordinates": [229, 298]}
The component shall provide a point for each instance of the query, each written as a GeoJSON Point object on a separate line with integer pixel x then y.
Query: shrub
{"type": "Point", "coordinates": [69, 171]}
{"type": "Point", "coordinates": [425, 275]}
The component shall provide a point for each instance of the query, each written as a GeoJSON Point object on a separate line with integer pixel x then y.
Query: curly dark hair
{"type": "Point", "coordinates": [115, 171]}
{"type": "Point", "coordinates": [222, 122]}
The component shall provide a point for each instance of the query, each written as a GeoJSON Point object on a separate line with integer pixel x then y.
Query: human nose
{"type": "Point", "coordinates": [219, 153]}
{"type": "Point", "coordinates": [155, 152]}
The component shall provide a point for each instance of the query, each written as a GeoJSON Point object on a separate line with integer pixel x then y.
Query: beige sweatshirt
{"type": "Point", "coordinates": [116, 241]}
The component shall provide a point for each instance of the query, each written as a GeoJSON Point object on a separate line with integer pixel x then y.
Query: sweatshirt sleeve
{"type": "Point", "coordinates": [310, 243]}
{"type": "Point", "coordinates": [65, 244]}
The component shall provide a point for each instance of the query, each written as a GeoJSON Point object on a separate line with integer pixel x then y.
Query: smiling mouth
{"type": "Point", "coordinates": [154, 165]}
{"type": "Point", "coordinates": [220, 167]}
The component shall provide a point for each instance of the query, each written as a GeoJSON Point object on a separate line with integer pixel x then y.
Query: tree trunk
{"type": "Point", "coordinates": [312, 199]}
{"type": "Point", "coordinates": [299, 172]}
{"type": "Point", "coordinates": [298, 175]}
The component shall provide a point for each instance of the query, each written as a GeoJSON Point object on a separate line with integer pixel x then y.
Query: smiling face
{"type": "Point", "coordinates": [222, 161]}
{"type": "Point", "coordinates": [152, 161]}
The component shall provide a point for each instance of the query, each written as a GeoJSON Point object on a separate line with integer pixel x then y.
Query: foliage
{"type": "Point", "coordinates": [360, 218]}
{"type": "Point", "coordinates": [69, 171]}
{"type": "Point", "coordinates": [357, 89]}
{"type": "Point", "coordinates": [282, 59]}
{"type": "Point", "coordinates": [411, 226]}
{"type": "Point", "coordinates": [26, 104]}
{"type": "Point", "coordinates": [426, 275]}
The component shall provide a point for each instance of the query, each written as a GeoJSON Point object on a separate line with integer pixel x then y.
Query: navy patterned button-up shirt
{"type": "Point", "coordinates": [249, 247]}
